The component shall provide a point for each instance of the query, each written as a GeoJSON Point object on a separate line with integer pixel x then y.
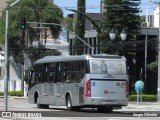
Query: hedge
{"type": "Point", "coordinates": [15, 93]}
{"type": "Point", "coordinates": [145, 98]}
{"type": "Point", "coordinates": [131, 98]}
{"type": "Point", "coordinates": [1, 93]}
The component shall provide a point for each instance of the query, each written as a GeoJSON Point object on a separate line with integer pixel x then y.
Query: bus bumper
{"type": "Point", "coordinates": [103, 101]}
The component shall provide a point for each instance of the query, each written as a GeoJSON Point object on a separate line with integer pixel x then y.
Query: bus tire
{"type": "Point", "coordinates": [37, 101]}
{"type": "Point", "coordinates": [69, 103]}
{"type": "Point", "coordinates": [42, 106]}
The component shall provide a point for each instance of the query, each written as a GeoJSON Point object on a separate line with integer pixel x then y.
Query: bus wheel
{"type": "Point", "coordinates": [69, 103]}
{"type": "Point", "coordinates": [41, 105]}
{"type": "Point", "coordinates": [38, 104]}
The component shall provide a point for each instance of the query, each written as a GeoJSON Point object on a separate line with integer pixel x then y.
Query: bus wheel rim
{"type": "Point", "coordinates": [69, 103]}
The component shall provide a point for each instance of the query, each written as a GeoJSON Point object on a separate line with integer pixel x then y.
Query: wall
{"type": "Point", "coordinates": [14, 82]}
{"type": "Point", "coordinates": [156, 17]}
{"type": "Point", "coordinates": [2, 5]}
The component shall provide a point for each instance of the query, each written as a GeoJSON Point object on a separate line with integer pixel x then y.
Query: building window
{"type": "Point", "coordinates": [97, 22]}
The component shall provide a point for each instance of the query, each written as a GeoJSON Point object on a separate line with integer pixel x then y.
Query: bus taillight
{"type": "Point", "coordinates": [127, 88]}
{"type": "Point", "coordinates": [88, 89]}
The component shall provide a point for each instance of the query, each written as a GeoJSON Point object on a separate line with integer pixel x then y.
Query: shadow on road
{"type": "Point", "coordinates": [83, 113]}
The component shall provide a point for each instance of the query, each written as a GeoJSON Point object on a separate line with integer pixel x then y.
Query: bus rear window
{"type": "Point", "coordinates": [114, 67]}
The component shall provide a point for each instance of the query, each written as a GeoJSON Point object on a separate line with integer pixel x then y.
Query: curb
{"type": "Point", "coordinates": [15, 97]}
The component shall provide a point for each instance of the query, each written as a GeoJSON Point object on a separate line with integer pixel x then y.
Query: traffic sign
{"type": "Point", "coordinates": [139, 86]}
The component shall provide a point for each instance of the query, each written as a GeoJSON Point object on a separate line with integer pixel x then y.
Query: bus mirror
{"type": "Point", "coordinates": [30, 73]}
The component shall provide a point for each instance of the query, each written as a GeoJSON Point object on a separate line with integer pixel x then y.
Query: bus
{"type": "Point", "coordinates": [86, 81]}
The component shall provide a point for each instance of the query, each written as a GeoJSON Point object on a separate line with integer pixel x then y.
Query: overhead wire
{"type": "Point", "coordinates": [98, 7]}
{"type": "Point", "coordinates": [92, 7]}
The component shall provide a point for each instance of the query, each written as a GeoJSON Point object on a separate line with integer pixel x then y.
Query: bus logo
{"type": "Point", "coordinates": [93, 84]}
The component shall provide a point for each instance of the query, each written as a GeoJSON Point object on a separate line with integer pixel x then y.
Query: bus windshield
{"type": "Point", "coordinates": [114, 67]}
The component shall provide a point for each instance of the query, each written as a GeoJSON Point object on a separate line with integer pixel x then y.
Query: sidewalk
{"type": "Point", "coordinates": [142, 106]}
{"type": "Point", "coordinates": [132, 106]}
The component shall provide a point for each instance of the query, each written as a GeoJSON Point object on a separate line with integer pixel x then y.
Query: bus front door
{"type": "Point", "coordinates": [58, 93]}
{"type": "Point", "coordinates": [58, 85]}
{"type": "Point", "coordinates": [44, 98]}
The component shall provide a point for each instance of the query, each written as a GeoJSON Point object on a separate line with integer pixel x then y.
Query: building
{"type": "Point", "coordinates": [57, 44]}
{"type": "Point", "coordinates": [3, 5]}
{"type": "Point", "coordinates": [102, 7]}
{"type": "Point", "coordinates": [90, 33]}
{"type": "Point", "coordinates": [156, 17]}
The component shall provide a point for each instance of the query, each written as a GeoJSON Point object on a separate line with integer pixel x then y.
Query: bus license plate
{"type": "Point", "coordinates": [109, 101]}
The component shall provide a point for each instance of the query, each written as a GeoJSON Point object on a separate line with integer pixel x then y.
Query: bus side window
{"type": "Point", "coordinates": [52, 75]}
{"type": "Point", "coordinates": [38, 74]}
{"type": "Point", "coordinates": [33, 78]}
{"type": "Point", "coordinates": [36, 78]}
{"type": "Point", "coordinates": [65, 73]}
{"type": "Point", "coordinates": [59, 72]}
{"type": "Point", "coordinates": [82, 70]}
{"type": "Point", "coordinates": [45, 73]}
{"type": "Point", "coordinates": [30, 74]}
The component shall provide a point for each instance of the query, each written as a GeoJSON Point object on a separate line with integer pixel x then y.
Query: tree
{"type": "Point", "coordinates": [80, 27]}
{"type": "Point", "coordinates": [120, 14]}
{"type": "Point", "coordinates": [97, 27]}
{"type": "Point", "coordinates": [35, 11]}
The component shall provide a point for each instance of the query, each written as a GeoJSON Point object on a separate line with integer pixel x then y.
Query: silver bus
{"type": "Point", "coordinates": [92, 81]}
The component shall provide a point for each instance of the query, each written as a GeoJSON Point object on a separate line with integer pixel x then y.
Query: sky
{"type": "Point", "coordinates": [94, 5]}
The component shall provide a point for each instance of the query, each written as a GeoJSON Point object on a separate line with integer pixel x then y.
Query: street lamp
{"type": "Point", "coordinates": [113, 33]}
{"type": "Point", "coordinates": [6, 75]}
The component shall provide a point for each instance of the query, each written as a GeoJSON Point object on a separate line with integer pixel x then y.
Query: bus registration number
{"type": "Point", "coordinates": [109, 101]}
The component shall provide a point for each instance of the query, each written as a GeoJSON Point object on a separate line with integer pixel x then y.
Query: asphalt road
{"type": "Point", "coordinates": [20, 108]}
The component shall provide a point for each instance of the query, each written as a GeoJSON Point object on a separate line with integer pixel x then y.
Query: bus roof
{"type": "Point", "coordinates": [49, 59]}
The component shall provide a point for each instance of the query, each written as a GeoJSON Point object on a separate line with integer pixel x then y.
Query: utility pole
{"type": "Point", "coordinates": [6, 75]}
{"type": "Point", "coordinates": [145, 67]}
{"type": "Point", "coordinates": [158, 82]}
